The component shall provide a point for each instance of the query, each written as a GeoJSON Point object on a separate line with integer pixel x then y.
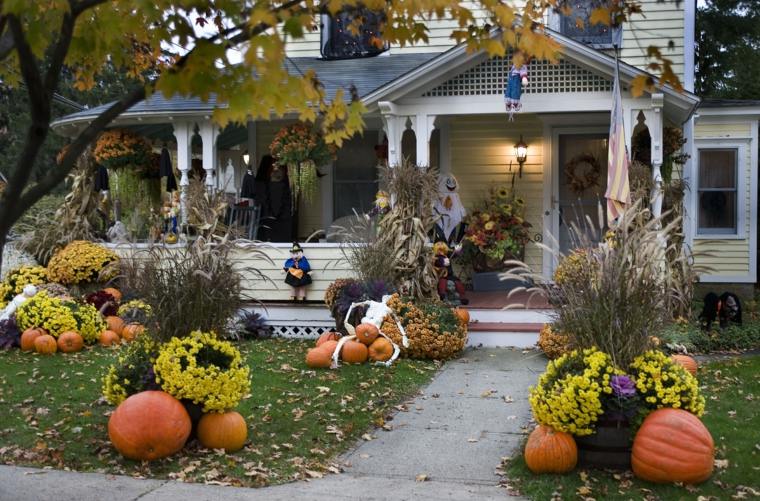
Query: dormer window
{"type": "Point", "coordinates": [577, 26]}
{"type": "Point", "coordinates": [353, 32]}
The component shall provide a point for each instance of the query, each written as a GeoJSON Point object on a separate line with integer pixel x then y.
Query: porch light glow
{"type": "Point", "coordinates": [246, 157]}
{"type": "Point", "coordinates": [521, 153]}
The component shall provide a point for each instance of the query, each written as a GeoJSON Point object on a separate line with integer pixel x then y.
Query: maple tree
{"type": "Point", "coordinates": [149, 40]}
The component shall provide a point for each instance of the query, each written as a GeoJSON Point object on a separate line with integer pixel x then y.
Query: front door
{"type": "Point", "coordinates": [582, 180]}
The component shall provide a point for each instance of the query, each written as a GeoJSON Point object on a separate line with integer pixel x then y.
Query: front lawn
{"type": "Point", "coordinates": [732, 415]}
{"type": "Point", "coordinates": [52, 414]}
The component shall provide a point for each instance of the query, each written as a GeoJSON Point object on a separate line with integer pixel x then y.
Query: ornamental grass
{"type": "Point", "coordinates": [616, 295]}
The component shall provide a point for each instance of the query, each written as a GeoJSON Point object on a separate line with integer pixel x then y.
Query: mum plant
{"type": "Point", "coordinates": [118, 148]}
{"type": "Point", "coordinates": [82, 262]}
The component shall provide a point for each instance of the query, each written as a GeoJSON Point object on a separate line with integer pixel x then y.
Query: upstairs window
{"type": "Point", "coordinates": [577, 26]}
{"type": "Point", "coordinates": [352, 33]}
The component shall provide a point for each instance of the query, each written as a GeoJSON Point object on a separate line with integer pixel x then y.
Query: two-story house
{"type": "Point", "coordinates": [442, 106]}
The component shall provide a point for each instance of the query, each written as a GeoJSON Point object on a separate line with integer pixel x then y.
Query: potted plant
{"type": "Point", "coordinates": [495, 233]}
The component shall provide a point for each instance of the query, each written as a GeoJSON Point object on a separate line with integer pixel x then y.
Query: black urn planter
{"type": "Point", "coordinates": [608, 448]}
{"type": "Point", "coordinates": [196, 412]}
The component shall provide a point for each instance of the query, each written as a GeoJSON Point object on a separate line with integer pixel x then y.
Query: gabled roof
{"type": "Point", "coordinates": [712, 102]}
{"type": "Point", "coordinates": [366, 74]}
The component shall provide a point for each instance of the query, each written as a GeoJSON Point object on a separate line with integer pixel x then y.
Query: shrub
{"type": "Point", "coordinates": [133, 372]}
{"type": "Point", "coordinates": [82, 262]}
{"type": "Point", "coordinates": [691, 338]}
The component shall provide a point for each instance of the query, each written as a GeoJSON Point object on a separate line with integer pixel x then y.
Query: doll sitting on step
{"type": "Point", "coordinates": [297, 271]}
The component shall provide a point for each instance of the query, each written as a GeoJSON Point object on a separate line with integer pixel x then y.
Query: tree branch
{"type": "Point", "coordinates": [59, 52]}
{"type": "Point", "coordinates": [82, 5]}
{"type": "Point", "coordinates": [6, 38]}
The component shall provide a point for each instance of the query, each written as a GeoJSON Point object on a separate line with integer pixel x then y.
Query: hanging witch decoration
{"type": "Point", "coordinates": [297, 270]}
{"type": "Point", "coordinates": [517, 78]}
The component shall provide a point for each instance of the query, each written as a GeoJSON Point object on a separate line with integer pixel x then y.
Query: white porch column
{"type": "Point", "coordinates": [253, 154]}
{"type": "Point", "coordinates": [423, 126]}
{"type": "Point", "coordinates": [209, 131]}
{"type": "Point", "coordinates": [394, 130]}
{"type": "Point", "coordinates": [654, 122]}
{"type": "Point", "coordinates": [183, 132]}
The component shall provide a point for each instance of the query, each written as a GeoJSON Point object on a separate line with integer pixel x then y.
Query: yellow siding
{"type": "Point", "coordinates": [481, 149]}
{"type": "Point", "coordinates": [727, 257]}
{"type": "Point", "coordinates": [659, 23]}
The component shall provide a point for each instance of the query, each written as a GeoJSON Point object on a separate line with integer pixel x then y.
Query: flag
{"type": "Point", "coordinates": [618, 189]}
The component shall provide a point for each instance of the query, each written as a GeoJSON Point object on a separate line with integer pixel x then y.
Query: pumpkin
{"type": "Point", "coordinates": [550, 451]}
{"type": "Point", "coordinates": [28, 337]}
{"type": "Point", "coordinates": [329, 346]}
{"type": "Point", "coordinates": [70, 342]}
{"type": "Point", "coordinates": [462, 315]}
{"type": "Point", "coordinates": [108, 338]}
{"type": "Point", "coordinates": [327, 336]}
{"type": "Point", "coordinates": [131, 331]}
{"type": "Point", "coordinates": [380, 350]}
{"type": "Point", "coordinates": [318, 358]}
{"type": "Point", "coordinates": [686, 362]}
{"type": "Point", "coordinates": [226, 431]}
{"type": "Point", "coordinates": [673, 445]}
{"type": "Point", "coordinates": [149, 425]}
{"type": "Point", "coordinates": [45, 344]}
{"type": "Point", "coordinates": [116, 293]}
{"type": "Point", "coordinates": [354, 352]}
{"type": "Point", "coordinates": [115, 324]}
{"type": "Point", "coordinates": [367, 333]}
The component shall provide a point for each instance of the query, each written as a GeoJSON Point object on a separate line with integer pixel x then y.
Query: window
{"type": "Point", "coordinates": [352, 33]}
{"type": "Point", "coordinates": [718, 185]}
{"type": "Point", "coordinates": [577, 26]}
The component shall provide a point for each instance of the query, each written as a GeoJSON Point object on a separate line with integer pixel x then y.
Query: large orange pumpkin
{"type": "Point", "coordinates": [28, 337]}
{"type": "Point", "coordinates": [131, 331]}
{"type": "Point", "coordinates": [462, 315]}
{"type": "Point", "coordinates": [550, 451]}
{"type": "Point", "coordinates": [686, 362]}
{"type": "Point", "coordinates": [318, 358]}
{"type": "Point", "coordinates": [367, 333]}
{"type": "Point", "coordinates": [116, 293]}
{"type": "Point", "coordinates": [380, 350]}
{"type": "Point", "coordinates": [108, 338]}
{"type": "Point", "coordinates": [70, 342]}
{"type": "Point", "coordinates": [354, 352]}
{"type": "Point", "coordinates": [327, 336]}
{"type": "Point", "coordinates": [115, 324]}
{"type": "Point", "coordinates": [149, 425]}
{"type": "Point", "coordinates": [226, 431]}
{"type": "Point", "coordinates": [45, 344]}
{"type": "Point", "coordinates": [673, 445]}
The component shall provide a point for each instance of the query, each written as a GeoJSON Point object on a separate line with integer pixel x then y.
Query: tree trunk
{"type": "Point", "coordinates": [3, 239]}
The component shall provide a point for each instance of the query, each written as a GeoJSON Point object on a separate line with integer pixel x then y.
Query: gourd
{"type": "Point", "coordinates": [131, 331]}
{"type": "Point", "coordinates": [686, 362]}
{"type": "Point", "coordinates": [45, 344]}
{"type": "Point", "coordinates": [354, 352]}
{"type": "Point", "coordinates": [318, 358]}
{"type": "Point", "coordinates": [380, 350]}
{"type": "Point", "coordinates": [366, 333]}
{"type": "Point", "coordinates": [70, 342]}
{"type": "Point", "coordinates": [462, 315]}
{"type": "Point", "coordinates": [149, 425]}
{"type": "Point", "coordinates": [115, 324]}
{"type": "Point", "coordinates": [28, 337]}
{"type": "Point", "coordinates": [116, 293]}
{"type": "Point", "coordinates": [550, 451]}
{"type": "Point", "coordinates": [226, 431]}
{"type": "Point", "coordinates": [327, 336]}
{"type": "Point", "coordinates": [108, 338]}
{"type": "Point", "coordinates": [673, 445]}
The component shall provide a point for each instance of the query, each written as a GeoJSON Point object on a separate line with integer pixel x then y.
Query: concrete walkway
{"type": "Point", "coordinates": [453, 435]}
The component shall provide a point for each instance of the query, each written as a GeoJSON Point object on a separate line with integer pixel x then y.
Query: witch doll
{"type": "Point", "coordinates": [297, 271]}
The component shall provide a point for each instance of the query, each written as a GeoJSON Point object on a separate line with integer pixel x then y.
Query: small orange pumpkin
{"type": "Point", "coordinates": [550, 451]}
{"type": "Point", "coordinates": [673, 445]}
{"type": "Point", "coordinates": [131, 331]}
{"type": "Point", "coordinates": [329, 346]}
{"type": "Point", "coordinates": [115, 324]}
{"type": "Point", "coordinates": [226, 431]}
{"type": "Point", "coordinates": [149, 425]}
{"type": "Point", "coordinates": [380, 350]}
{"type": "Point", "coordinates": [70, 342]}
{"type": "Point", "coordinates": [462, 315]}
{"type": "Point", "coordinates": [354, 352]}
{"type": "Point", "coordinates": [327, 336]}
{"type": "Point", "coordinates": [686, 362]}
{"type": "Point", "coordinates": [108, 338]}
{"type": "Point", "coordinates": [45, 344]}
{"type": "Point", "coordinates": [367, 333]}
{"type": "Point", "coordinates": [116, 293]}
{"type": "Point", "coordinates": [318, 358]}
{"type": "Point", "coordinates": [28, 337]}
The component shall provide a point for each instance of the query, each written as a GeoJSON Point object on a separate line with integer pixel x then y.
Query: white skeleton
{"type": "Point", "coordinates": [28, 292]}
{"type": "Point", "coordinates": [376, 313]}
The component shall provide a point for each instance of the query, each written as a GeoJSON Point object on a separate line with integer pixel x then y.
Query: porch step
{"type": "Point", "coordinates": [502, 334]}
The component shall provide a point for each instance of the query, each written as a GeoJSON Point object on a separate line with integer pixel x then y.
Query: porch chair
{"type": "Point", "coordinates": [247, 219]}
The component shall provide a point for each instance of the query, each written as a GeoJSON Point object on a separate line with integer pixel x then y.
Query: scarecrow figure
{"type": "Point", "coordinates": [517, 78]}
{"type": "Point", "coordinates": [297, 271]}
{"type": "Point", "coordinates": [445, 272]}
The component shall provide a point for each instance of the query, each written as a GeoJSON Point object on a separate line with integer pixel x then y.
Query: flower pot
{"type": "Point", "coordinates": [608, 448]}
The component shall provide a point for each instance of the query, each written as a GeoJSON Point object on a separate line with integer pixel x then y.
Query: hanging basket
{"type": "Point", "coordinates": [303, 180]}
